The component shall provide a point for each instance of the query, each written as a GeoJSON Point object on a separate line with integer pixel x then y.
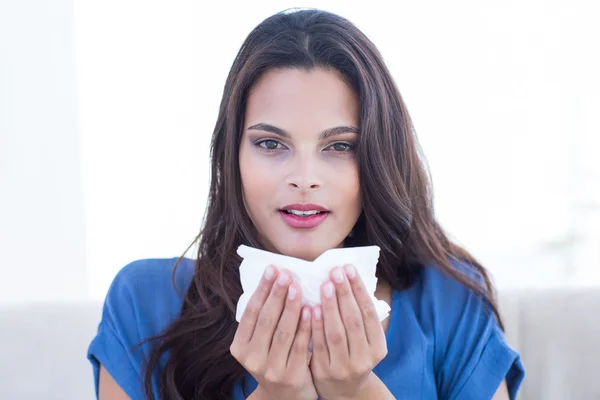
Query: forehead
{"type": "Point", "coordinates": [287, 95]}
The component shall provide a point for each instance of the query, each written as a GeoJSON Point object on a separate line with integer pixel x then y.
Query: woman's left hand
{"type": "Point", "coordinates": [348, 340]}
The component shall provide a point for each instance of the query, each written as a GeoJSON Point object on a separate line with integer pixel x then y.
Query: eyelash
{"type": "Point", "coordinates": [259, 143]}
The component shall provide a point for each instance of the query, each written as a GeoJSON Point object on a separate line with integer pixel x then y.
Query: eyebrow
{"type": "Point", "coordinates": [338, 130]}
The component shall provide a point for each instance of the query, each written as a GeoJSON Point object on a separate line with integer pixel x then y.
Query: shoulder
{"type": "Point", "coordinates": [467, 348]}
{"type": "Point", "coordinates": [445, 306]}
{"type": "Point", "coordinates": [148, 293]}
{"type": "Point", "coordinates": [447, 292]}
{"type": "Point", "coordinates": [436, 293]}
{"type": "Point", "coordinates": [144, 298]}
{"type": "Point", "coordinates": [151, 281]}
{"type": "Point", "coordinates": [434, 277]}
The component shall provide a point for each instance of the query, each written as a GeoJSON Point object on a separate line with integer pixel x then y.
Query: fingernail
{"type": "Point", "coordinates": [350, 271]}
{"type": "Point", "coordinates": [306, 314]}
{"type": "Point", "coordinates": [317, 313]}
{"type": "Point", "coordinates": [328, 289]}
{"type": "Point", "coordinates": [292, 293]}
{"type": "Point", "coordinates": [283, 279]}
{"type": "Point", "coordinates": [337, 275]}
{"type": "Point", "coordinates": [269, 273]}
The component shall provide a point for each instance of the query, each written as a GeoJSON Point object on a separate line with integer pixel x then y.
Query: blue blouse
{"type": "Point", "coordinates": [442, 341]}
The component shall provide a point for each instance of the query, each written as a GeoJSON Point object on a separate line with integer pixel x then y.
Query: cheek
{"type": "Point", "coordinates": [258, 180]}
{"type": "Point", "coordinates": [354, 192]}
{"type": "Point", "coordinates": [346, 182]}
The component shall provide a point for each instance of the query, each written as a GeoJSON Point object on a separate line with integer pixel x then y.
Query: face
{"type": "Point", "coordinates": [297, 161]}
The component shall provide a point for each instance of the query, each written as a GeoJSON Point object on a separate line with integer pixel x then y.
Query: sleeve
{"type": "Point", "coordinates": [472, 357]}
{"type": "Point", "coordinates": [115, 344]}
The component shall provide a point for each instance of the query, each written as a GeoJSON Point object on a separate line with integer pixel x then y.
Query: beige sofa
{"type": "Point", "coordinates": [557, 333]}
{"type": "Point", "coordinates": [43, 346]}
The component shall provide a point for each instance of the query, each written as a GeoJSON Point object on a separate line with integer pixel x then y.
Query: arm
{"type": "Point", "coordinates": [374, 388]}
{"type": "Point", "coordinates": [108, 389]}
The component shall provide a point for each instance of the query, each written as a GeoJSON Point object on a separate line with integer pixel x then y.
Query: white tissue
{"type": "Point", "coordinates": [310, 275]}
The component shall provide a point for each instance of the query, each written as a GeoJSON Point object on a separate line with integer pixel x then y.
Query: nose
{"type": "Point", "coordinates": [304, 173]}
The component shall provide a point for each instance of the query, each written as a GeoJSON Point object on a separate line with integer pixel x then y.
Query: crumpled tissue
{"type": "Point", "coordinates": [309, 274]}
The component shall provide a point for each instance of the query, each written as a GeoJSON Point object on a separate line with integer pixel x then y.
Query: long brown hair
{"type": "Point", "coordinates": [398, 213]}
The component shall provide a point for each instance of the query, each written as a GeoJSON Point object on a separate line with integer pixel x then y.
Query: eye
{"type": "Point", "coordinates": [269, 144]}
{"type": "Point", "coordinates": [342, 147]}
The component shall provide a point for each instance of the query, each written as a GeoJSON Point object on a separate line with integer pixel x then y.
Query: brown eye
{"type": "Point", "coordinates": [269, 144]}
{"type": "Point", "coordinates": [342, 147]}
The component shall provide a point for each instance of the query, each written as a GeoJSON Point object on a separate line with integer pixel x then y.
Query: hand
{"type": "Point", "coordinates": [271, 341]}
{"type": "Point", "coordinates": [347, 337]}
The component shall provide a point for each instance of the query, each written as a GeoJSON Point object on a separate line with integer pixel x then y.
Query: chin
{"type": "Point", "coordinates": [303, 254]}
{"type": "Point", "coordinates": [308, 251]}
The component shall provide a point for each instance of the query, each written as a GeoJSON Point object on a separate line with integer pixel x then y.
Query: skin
{"type": "Point", "coordinates": [302, 166]}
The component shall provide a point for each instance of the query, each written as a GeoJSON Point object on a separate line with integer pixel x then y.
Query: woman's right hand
{"type": "Point", "coordinates": [271, 341]}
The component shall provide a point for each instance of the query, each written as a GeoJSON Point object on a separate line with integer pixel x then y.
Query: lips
{"type": "Point", "coordinates": [303, 216]}
{"type": "Point", "coordinates": [304, 207]}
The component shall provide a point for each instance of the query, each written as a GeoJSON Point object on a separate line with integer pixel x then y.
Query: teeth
{"type": "Point", "coordinates": [303, 213]}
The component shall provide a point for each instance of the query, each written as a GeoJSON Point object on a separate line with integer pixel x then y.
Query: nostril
{"type": "Point", "coordinates": [304, 186]}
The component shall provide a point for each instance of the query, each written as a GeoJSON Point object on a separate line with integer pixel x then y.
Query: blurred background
{"type": "Point", "coordinates": [107, 108]}
{"type": "Point", "coordinates": [106, 113]}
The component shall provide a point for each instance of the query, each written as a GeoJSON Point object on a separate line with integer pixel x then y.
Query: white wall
{"type": "Point", "coordinates": [42, 231]}
{"type": "Point", "coordinates": [504, 99]}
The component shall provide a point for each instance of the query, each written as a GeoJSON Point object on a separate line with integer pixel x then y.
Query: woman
{"type": "Point", "coordinates": [313, 149]}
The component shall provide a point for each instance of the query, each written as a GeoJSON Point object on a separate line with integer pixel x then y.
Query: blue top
{"type": "Point", "coordinates": [442, 342]}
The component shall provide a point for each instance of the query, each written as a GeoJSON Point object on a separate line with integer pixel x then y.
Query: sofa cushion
{"type": "Point", "coordinates": [43, 347]}
{"type": "Point", "coordinates": [557, 332]}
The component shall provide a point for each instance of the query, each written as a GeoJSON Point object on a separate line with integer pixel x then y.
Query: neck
{"type": "Point", "coordinates": [383, 291]}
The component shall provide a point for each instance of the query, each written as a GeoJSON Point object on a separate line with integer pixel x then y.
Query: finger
{"type": "Point", "coordinates": [286, 328]}
{"type": "Point", "coordinates": [270, 313]}
{"type": "Point", "coordinates": [373, 328]}
{"type": "Point", "coordinates": [320, 353]}
{"type": "Point", "coordinates": [335, 332]}
{"type": "Point", "coordinates": [358, 345]}
{"type": "Point", "coordinates": [299, 356]}
{"type": "Point", "coordinates": [247, 324]}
